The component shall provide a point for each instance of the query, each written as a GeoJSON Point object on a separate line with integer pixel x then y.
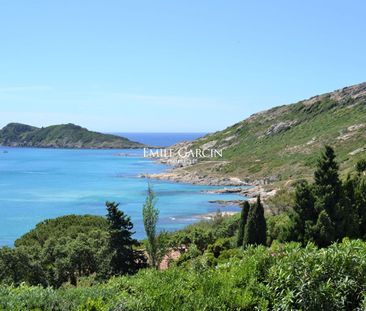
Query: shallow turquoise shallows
{"type": "Point", "coordinates": [36, 184]}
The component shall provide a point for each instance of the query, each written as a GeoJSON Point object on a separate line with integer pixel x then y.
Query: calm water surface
{"type": "Point", "coordinates": [36, 184]}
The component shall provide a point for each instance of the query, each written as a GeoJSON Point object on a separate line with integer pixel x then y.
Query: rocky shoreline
{"type": "Point", "coordinates": [249, 192]}
{"type": "Point", "coordinates": [182, 176]}
{"type": "Point", "coordinates": [180, 172]}
{"type": "Point", "coordinates": [237, 186]}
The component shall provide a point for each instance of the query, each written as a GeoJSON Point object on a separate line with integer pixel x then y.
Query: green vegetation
{"type": "Point", "coordinates": [242, 223]}
{"type": "Point", "coordinates": [255, 231]}
{"type": "Point", "coordinates": [124, 259]}
{"type": "Point", "coordinates": [66, 226]}
{"type": "Point", "coordinates": [71, 248]}
{"type": "Point", "coordinates": [156, 244]}
{"type": "Point", "coordinates": [60, 136]}
{"type": "Point", "coordinates": [282, 144]}
{"type": "Point", "coordinates": [308, 256]}
{"type": "Point", "coordinates": [328, 210]}
{"type": "Point", "coordinates": [150, 217]}
{"type": "Point", "coordinates": [57, 251]}
{"type": "Point", "coordinates": [287, 277]}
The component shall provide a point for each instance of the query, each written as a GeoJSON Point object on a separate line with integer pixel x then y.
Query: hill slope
{"type": "Point", "coordinates": [61, 136]}
{"type": "Point", "coordinates": [284, 142]}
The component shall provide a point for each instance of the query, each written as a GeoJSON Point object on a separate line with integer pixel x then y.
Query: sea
{"type": "Point", "coordinates": [38, 184]}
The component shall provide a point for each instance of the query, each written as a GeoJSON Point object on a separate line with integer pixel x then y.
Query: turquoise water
{"type": "Point", "coordinates": [36, 184]}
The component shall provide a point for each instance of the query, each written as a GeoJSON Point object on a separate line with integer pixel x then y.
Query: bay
{"type": "Point", "coordinates": [37, 184]}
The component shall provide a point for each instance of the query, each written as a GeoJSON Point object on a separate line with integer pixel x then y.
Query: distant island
{"type": "Point", "coordinates": [61, 136]}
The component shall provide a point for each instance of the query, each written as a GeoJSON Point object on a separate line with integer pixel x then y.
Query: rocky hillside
{"type": "Point", "coordinates": [61, 136]}
{"type": "Point", "coordinates": [283, 143]}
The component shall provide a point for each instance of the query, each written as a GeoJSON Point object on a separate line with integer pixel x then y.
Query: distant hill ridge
{"type": "Point", "coordinates": [283, 143]}
{"type": "Point", "coordinates": [61, 136]}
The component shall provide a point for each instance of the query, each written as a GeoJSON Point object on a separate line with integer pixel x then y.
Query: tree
{"type": "Point", "coordinates": [328, 210]}
{"type": "Point", "coordinates": [150, 216]}
{"type": "Point", "coordinates": [242, 222]}
{"type": "Point", "coordinates": [255, 229]}
{"type": "Point", "coordinates": [360, 202]}
{"type": "Point", "coordinates": [361, 167]}
{"type": "Point", "coordinates": [351, 220]}
{"type": "Point", "coordinates": [324, 230]}
{"type": "Point", "coordinates": [17, 266]}
{"type": "Point", "coordinates": [327, 183]}
{"type": "Point", "coordinates": [329, 193]}
{"type": "Point", "coordinates": [303, 215]}
{"type": "Point", "coordinates": [121, 243]}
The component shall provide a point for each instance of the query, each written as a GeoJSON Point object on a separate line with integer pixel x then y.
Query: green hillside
{"type": "Point", "coordinates": [61, 136]}
{"type": "Point", "coordinates": [283, 143]}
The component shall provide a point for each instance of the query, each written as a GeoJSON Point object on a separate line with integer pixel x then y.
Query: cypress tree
{"type": "Point", "coordinates": [242, 222]}
{"type": "Point", "coordinates": [256, 228]}
{"type": "Point", "coordinates": [150, 216]}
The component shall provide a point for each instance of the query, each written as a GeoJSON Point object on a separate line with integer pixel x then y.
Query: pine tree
{"type": "Point", "coordinates": [120, 241]}
{"type": "Point", "coordinates": [255, 229]}
{"type": "Point", "coordinates": [303, 214]}
{"type": "Point", "coordinates": [242, 222]}
{"type": "Point", "coordinates": [329, 192]}
{"type": "Point", "coordinates": [327, 183]}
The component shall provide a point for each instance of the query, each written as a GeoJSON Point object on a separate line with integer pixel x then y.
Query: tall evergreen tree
{"type": "Point", "coordinates": [121, 242]}
{"type": "Point", "coordinates": [256, 228]}
{"type": "Point", "coordinates": [303, 214]}
{"type": "Point", "coordinates": [242, 222]}
{"type": "Point", "coordinates": [150, 216]}
{"type": "Point", "coordinates": [360, 201]}
{"type": "Point", "coordinates": [351, 219]}
{"type": "Point", "coordinates": [360, 197]}
{"type": "Point", "coordinates": [328, 192]}
{"type": "Point", "coordinates": [327, 183]}
{"type": "Point", "coordinates": [329, 210]}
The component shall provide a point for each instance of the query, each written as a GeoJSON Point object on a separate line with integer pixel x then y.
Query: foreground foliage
{"type": "Point", "coordinates": [68, 248]}
{"type": "Point", "coordinates": [283, 277]}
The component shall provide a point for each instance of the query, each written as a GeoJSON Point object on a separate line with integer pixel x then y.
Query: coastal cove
{"type": "Point", "coordinates": [38, 184]}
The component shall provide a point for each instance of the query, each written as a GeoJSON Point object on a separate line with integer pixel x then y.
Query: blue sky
{"type": "Point", "coordinates": [172, 66]}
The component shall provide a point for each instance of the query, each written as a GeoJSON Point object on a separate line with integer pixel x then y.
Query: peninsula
{"type": "Point", "coordinates": [61, 136]}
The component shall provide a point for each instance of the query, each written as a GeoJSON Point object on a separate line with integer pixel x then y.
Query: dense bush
{"type": "Point", "coordinates": [65, 226]}
{"type": "Point", "coordinates": [327, 279]}
{"type": "Point", "coordinates": [283, 277]}
{"type": "Point", "coordinates": [68, 248]}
